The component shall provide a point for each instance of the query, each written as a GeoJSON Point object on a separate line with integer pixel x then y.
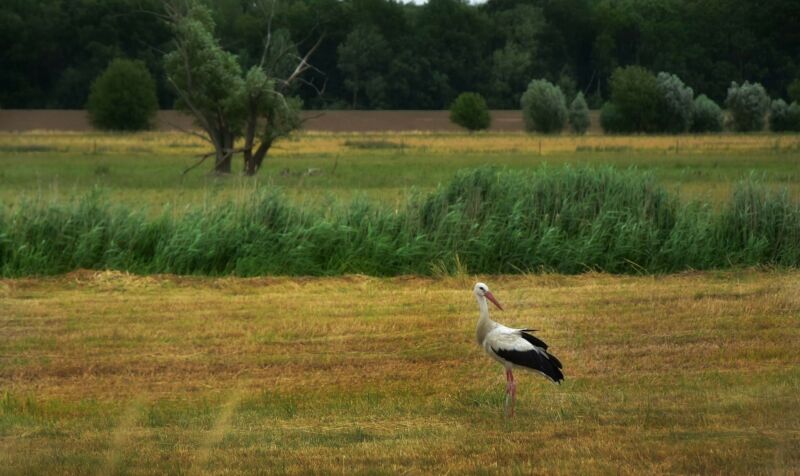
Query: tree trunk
{"type": "Point", "coordinates": [249, 141]}
{"type": "Point", "coordinates": [249, 167]}
{"type": "Point", "coordinates": [224, 154]}
{"type": "Point", "coordinates": [223, 163]}
{"type": "Point", "coordinates": [253, 161]}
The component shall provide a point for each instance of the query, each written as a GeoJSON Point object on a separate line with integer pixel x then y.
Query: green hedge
{"type": "Point", "coordinates": [490, 221]}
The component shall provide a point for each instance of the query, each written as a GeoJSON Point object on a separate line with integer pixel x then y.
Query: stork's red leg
{"type": "Point", "coordinates": [511, 391]}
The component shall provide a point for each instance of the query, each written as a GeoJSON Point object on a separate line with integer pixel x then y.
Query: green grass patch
{"type": "Point", "coordinates": [488, 220]}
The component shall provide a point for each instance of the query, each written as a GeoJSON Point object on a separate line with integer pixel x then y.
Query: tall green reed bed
{"type": "Point", "coordinates": [485, 221]}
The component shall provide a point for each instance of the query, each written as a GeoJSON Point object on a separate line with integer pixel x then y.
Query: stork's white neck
{"type": "Point", "coordinates": [485, 323]}
{"type": "Point", "coordinates": [483, 305]}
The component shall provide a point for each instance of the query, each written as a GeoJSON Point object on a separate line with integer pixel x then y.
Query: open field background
{"type": "Point", "coordinates": [145, 169]}
{"type": "Point", "coordinates": [110, 373]}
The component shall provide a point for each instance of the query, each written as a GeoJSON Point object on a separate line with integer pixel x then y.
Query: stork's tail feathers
{"type": "Point", "coordinates": [552, 367]}
{"type": "Point", "coordinates": [553, 371]}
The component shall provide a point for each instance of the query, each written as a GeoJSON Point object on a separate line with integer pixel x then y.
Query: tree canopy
{"type": "Point", "coordinates": [386, 54]}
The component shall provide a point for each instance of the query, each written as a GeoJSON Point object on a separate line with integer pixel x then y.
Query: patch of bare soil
{"type": "Point", "coordinates": [322, 121]}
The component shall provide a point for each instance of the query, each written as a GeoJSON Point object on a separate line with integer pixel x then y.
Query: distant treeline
{"type": "Point", "coordinates": [382, 54]}
{"type": "Point", "coordinates": [485, 221]}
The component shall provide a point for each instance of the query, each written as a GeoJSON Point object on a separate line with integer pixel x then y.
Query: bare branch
{"type": "Point", "coordinates": [268, 41]}
{"type": "Point", "coordinates": [319, 91]}
{"type": "Point", "coordinates": [303, 120]}
{"type": "Point", "coordinates": [303, 65]}
{"type": "Point", "coordinates": [202, 159]}
{"type": "Point", "coordinates": [189, 131]}
{"type": "Point", "coordinates": [197, 114]}
{"type": "Point", "coordinates": [228, 153]}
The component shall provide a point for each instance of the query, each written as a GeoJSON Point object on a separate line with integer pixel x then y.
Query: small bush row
{"type": "Point", "coordinates": [662, 103]}
{"type": "Point", "coordinates": [641, 102]}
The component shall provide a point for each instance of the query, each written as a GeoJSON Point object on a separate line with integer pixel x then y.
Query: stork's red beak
{"type": "Point", "coordinates": [490, 297]}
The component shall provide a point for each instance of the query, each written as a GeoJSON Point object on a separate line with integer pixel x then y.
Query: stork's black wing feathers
{"type": "Point", "coordinates": [554, 360]}
{"type": "Point", "coordinates": [539, 343]}
{"type": "Point", "coordinates": [532, 338]}
{"type": "Point", "coordinates": [534, 360]}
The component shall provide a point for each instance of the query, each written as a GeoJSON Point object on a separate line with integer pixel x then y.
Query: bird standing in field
{"type": "Point", "coordinates": [513, 347]}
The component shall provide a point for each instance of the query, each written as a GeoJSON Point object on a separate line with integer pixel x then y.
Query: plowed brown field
{"type": "Point", "coordinates": [325, 121]}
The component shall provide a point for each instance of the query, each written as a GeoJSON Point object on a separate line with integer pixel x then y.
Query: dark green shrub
{"type": "Point", "coordinates": [635, 93]}
{"type": "Point", "coordinates": [469, 111]}
{"type": "Point", "coordinates": [784, 117]}
{"type": "Point", "coordinates": [677, 102]}
{"type": "Point", "coordinates": [579, 114]}
{"type": "Point", "coordinates": [544, 107]}
{"type": "Point", "coordinates": [748, 104]}
{"type": "Point", "coordinates": [706, 115]}
{"type": "Point", "coordinates": [123, 98]}
{"type": "Point", "coordinates": [612, 121]}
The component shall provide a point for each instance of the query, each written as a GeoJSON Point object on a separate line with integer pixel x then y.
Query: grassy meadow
{"type": "Point", "coordinates": [145, 168]}
{"type": "Point", "coordinates": [109, 373]}
{"type": "Point", "coordinates": [155, 372]}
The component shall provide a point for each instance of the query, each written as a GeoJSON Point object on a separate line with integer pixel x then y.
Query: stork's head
{"type": "Point", "coordinates": [482, 291]}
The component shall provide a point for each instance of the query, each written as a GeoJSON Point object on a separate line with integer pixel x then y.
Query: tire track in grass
{"type": "Point", "coordinates": [217, 432]}
{"type": "Point", "coordinates": [120, 438]}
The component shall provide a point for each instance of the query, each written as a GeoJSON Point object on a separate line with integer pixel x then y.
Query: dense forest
{"type": "Point", "coordinates": [381, 54]}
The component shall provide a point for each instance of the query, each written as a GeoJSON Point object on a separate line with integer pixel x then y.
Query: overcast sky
{"type": "Point", "coordinates": [420, 2]}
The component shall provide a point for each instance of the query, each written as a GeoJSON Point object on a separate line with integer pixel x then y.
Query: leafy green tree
{"type": "Point", "coordinates": [748, 104]}
{"type": "Point", "coordinates": [455, 39]}
{"type": "Point", "coordinates": [469, 111]}
{"type": "Point", "coordinates": [510, 68]}
{"type": "Point", "coordinates": [677, 103]}
{"type": "Point", "coordinates": [207, 79]}
{"type": "Point", "coordinates": [225, 104]}
{"type": "Point", "coordinates": [269, 115]}
{"type": "Point", "coordinates": [637, 97]}
{"type": "Point", "coordinates": [544, 107]}
{"type": "Point", "coordinates": [361, 57]}
{"type": "Point", "coordinates": [579, 114]}
{"type": "Point", "coordinates": [706, 115]}
{"type": "Point", "coordinates": [513, 63]}
{"type": "Point", "coordinates": [123, 98]}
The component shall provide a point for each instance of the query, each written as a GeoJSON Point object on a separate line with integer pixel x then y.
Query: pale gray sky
{"type": "Point", "coordinates": [420, 2]}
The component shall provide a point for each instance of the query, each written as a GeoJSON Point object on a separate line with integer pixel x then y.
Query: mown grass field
{"type": "Point", "coordinates": [105, 372]}
{"type": "Point", "coordinates": [108, 373]}
{"type": "Point", "coordinates": [146, 168]}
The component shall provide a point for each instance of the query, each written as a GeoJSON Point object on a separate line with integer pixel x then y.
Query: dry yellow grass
{"type": "Point", "coordinates": [179, 143]}
{"type": "Point", "coordinates": [114, 373]}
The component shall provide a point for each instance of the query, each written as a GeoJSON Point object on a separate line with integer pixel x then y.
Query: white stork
{"type": "Point", "coordinates": [513, 347]}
